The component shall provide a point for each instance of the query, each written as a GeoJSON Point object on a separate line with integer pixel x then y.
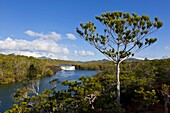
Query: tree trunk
{"type": "Point", "coordinates": [118, 82]}
{"type": "Point", "coordinates": [166, 107]}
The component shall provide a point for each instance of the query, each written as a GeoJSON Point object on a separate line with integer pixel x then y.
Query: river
{"type": "Point", "coordinates": [6, 91]}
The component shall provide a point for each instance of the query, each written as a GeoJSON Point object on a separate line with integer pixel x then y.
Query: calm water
{"type": "Point", "coordinates": [6, 91]}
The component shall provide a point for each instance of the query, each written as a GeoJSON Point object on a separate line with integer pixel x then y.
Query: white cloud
{"type": "Point", "coordinates": [167, 48]}
{"type": "Point", "coordinates": [36, 54]}
{"type": "Point", "coordinates": [84, 53]}
{"type": "Point", "coordinates": [71, 36]}
{"type": "Point", "coordinates": [37, 48]}
{"type": "Point", "coordinates": [31, 33]}
{"type": "Point", "coordinates": [142, 56]}
{"type": "Point", "coordinates": [44, 45]}
{"type": "Point", "coordinates": [52, 35]}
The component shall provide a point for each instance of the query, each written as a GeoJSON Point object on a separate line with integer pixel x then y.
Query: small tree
{"type": "Point", "coordinates": [32, 79]}
{"type": "Point", "coordinates": [123, 35]}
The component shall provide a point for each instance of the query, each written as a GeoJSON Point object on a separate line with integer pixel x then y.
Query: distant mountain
{"type": "Point", "coordinates": [43, 57]}
{"type": "Point", "coordinates": [103, 60]}
{"type": "Point", "coordinates": [132, 59]}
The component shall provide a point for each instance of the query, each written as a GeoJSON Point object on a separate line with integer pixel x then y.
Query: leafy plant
{"type": "Point", "coordinates": [148, 97]}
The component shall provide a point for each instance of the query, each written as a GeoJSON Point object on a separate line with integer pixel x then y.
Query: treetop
{"type": "Point", "coordinates": [123, 33]}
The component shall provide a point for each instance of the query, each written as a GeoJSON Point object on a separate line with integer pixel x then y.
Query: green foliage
{"type": "Point", "coordinates": [141, 82]}
{"type": "Point", "coordinates": [32, 72]}
{"type": "Point", "coordinates": [96, 65]}
{"type": "Point", "coordinates": [19, 109]}
{"type": "Point", "coordinates": [120, 30]}
{"type": "Point", "coordinates": [165, 88]}
{"type": "Point", "coordinates": [18, 68]}
{"type": "Point", "coordinates": [149, 97]}
{"type": "Point", "coordinates": [21, 94]}
{"type": "Point", "coordinates": [86, 95]}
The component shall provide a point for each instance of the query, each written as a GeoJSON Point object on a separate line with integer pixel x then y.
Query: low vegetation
{"type": "Point", "coordinates": [144, 84]}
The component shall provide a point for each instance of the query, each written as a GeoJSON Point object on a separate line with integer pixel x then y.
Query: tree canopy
{"type": "Point", "coordinates": [123, 35]}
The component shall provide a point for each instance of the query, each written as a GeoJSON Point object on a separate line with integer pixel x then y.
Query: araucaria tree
{"type": "Point", "coordinates": [123, 35]}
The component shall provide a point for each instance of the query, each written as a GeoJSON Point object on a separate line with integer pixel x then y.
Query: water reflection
{"type": "Point", "coordinates": [67, 74]}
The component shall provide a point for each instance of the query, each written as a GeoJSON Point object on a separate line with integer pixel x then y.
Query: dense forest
{"type": "Point", "coordinates": [144, 87]}
{"type": "Point", "coordinates": [15, 68]}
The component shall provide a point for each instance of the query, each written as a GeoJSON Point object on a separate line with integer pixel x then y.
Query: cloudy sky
{"type": "Point", "coordinates": [47, 28]}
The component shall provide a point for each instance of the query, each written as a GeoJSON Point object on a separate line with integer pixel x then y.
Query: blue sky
{"type": "Point", "coordinates": [48, 27]}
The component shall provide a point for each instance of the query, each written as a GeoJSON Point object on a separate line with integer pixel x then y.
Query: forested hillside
{"type": "Point", "coordinates": [15, 68]}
